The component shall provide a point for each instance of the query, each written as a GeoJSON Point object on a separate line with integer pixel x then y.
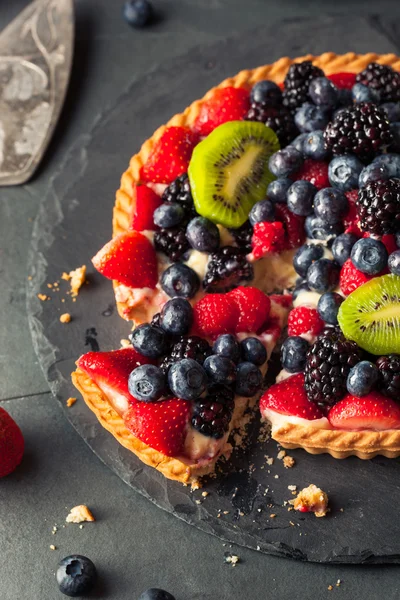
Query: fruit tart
{"type": "Point", "coordinates": [282, 180]}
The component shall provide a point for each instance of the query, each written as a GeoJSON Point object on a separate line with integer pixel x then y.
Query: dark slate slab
{"type": "Point", "coordinates": [74, 221]}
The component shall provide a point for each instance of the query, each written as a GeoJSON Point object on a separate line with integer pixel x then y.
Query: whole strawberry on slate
{"type": "Point", "coordinates": [11, 444]}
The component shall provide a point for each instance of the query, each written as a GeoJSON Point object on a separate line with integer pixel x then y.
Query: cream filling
{"type": "Point", "coordinates": [279, 421]}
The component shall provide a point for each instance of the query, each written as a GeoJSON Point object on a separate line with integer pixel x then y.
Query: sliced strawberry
{"type": "Point", "coordinates": [130, 259]}
{"type": "Point", "coordinates": [272, 327]}
{"type": "Point", "coordinates": [344, 81]}
{"type": "Point", "coordinates": [253, 306]}
{"type": "Point", "coordinates": [373, 411]}
{"type": "Point", "coordinates": [314, 171]}
{"type": "Point", "coordinates": [215, 314]}
{"type": "Point", "coordinates": [304, 319]}
{"type": "Point", "coordinates": [170, 155]}
{"type": "Point", "coordinates": [112, 369]}
{"type": "Point", "coordinates": [293, 224]}
{"type": "Point", "coordinates": [351, 278]}
{"type": "Point", "coordinates": [11, 444]}
{"type": "Point", "coordinates": [289, 398]}
{"type": "Point", "coordinates": [145, 202]}
{"type": "Point", "coordinates": [284, 300]}
{"type": "Point", "coordinates": [226, 104]}
{"type": "Point", "coordinates": [161, 425]}
{"type": "Point", "coordinates": [268, 238]}
{"type": "Point", "coordinates": [350, 220]}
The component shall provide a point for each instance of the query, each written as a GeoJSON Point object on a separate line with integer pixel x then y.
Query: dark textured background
{"type": "Point", "coordinates": [134, 544]}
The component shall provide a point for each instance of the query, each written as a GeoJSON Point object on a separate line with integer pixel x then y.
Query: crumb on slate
{"type": "Point", "coordinates": [232, 559]}
{"type": "Point", "coordinates": [204, 494]}
{"type": "Point", "coordinates": [330, 587]}
{"type": "Point", "coordinates": [43, 297]}
{"type": "Point", "coordinates": [311, 499]}
{"type": "Point", "coordinates": [281, 454]}
{"type": "Point", "coordinates": [70, 402]}
{"type": "Point", "coordinates": [79, 514]}
{"type": "Point", "coordinates": [288, 462]}
{"type": "Point", "coordinates": [52, 547]}
{"type": "Point", "coordinates": [65, 318]}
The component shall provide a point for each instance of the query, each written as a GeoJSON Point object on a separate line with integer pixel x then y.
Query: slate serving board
{"type": "Point", "coordinates": [75, 220]}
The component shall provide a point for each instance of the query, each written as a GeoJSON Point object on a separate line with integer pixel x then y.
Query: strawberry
{"type": "Point", "coordinates": [350, 220]}
{"type": "Point", "coordinates": [161, 425]}
{"type": "Point", "coordinates": [130, 259]}
{"type": "Point", "coordinates": [303, 319]}
{"type": "Point", "coordinates": [373, 411]}
{"type": "Point", "coordinates": [293, 225]}
{"type": "Point", "coordinates": [11, 444]}
{"type": "Point", "coordinates": [351, 278]}
{"type": "Point", "coordinates": [272, 327]}
{"type": "Point", "coordinates": [267, 238]}
{"type": "Point", "coordinates": [314, 171]}
{"type": "Point", "coordinates": [112, 369]}
{"type": "Point", "coordinates": [226, 104]}
{"type": "Point", "coordinates": [170, 155]}
{"type": "Point", "coordinates": [288, 397]}
{"type": "Point", "coordinates": [253, 306]}
{"type": "Point", "coordinates": [145, 202]}
{"type": "Point", "coordinates": [215, 314]}
{"type": "Point", "coordinates": [343, 81]}
{"type": "Point", "coordinates": [284, 300]}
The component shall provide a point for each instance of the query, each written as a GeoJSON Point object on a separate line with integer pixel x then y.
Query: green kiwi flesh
{"type": "Point", "coordinates": [371, 315]}
{"type": "Point", "coordinates": [229, 173]}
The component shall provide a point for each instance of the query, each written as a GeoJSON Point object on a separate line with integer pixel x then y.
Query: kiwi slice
{"type": "Point", "coordinates": [371, 315]}
{"type": "Point", "coordinates": [229, 173]}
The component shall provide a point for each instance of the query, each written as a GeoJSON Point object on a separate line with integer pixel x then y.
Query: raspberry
{"type": "Point", "coordinates": [304, 320]}
{"type": "Point", "coordinates": [279, 120]}
{"type": "Point", "coordinates": [343, 81]}
{"type": "Point", "coordinates": [378, 207]}
{"type": "Point", "coordinates": [225, 104]}
{"type": "Point", "coordinates": [226, 268]}
{"type": "Point", "coordinates": [350, 219]}
{"type": "Point", "coordinates": [268, 238]}
{"type": "Point", "coordinates": [351, 278]}
{"type": "Point", "coordinates": [253, 306]}
{"type": "Point", "coordinates": [389, 375]}
{"type": "Point", "coordinates": [297, 81]}
{"type": "Point", "coordinates": [215, 314]}
{"type": "Point", "coordinates": [314, 171]}
{"type": "Point", "coordinates": [293, 225]}
{"type": "Point", "coordinates": [212, 414]}
{"type": "Point", "coordinates": [382, 78]}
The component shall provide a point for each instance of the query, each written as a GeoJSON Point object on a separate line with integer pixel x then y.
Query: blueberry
{"type": "Point", "coordinates": [278, 188]}
{"type": "Point", "coordinates": [293, 354]}
{"type": "Point", "coordinates": [305, 256]}
{"type": "Point", "coordinates": [392, 110]}
{"type": "Point", "coordinates": [176, 316]}
{"type": "Point", "coordinates": [323, 275]}
{"type": "Point", "coordinates": [310, 117]}
{"type": "Point", "coordinates": [266, 92]}
{"type": "Point", "coordinates": [147, 383]}
{"type": "Point", "coordinates": [228, 346]}
{"type": "Point", "coordinates": [394, 262]}
{"type": "Point", "coordinates": [362, 378]}
{"type": "Point", "coordinates": [262, 211]}
{"type": "Point", "coordinates": [284, 162]}
{"type": "Point", "coordinates": [76, 575]}
{"type": "Point", "coordinates": [220, 369]}
{"type": "Point", "coordinates": [395, 129]}
{"type": "Point", "coordinates": [314, 146]}
{"type": "Point", "coordinates": [373, 172]}
{"type": "Point", "coordinates": [169, 215]}
{"type": "Point", "coordinates": [369, 256]}
{"type": "Point", "coordinates": [330, 204]}
{"type": "Point", "coordinates": [248, 379]}
{"type": "Point", "coordinates": [317, 229]}
{"type": "Point", "coordinates": [203, 235]}
{"type": "Point", "coordinates": [149, 340]}
{"type": "Point", "coordinates": [298, 142]}
{"type": "Point", "coordinates": [156, 594]}
{"type": "Point", "coordinates": [323, 92]}
{"type": "Point", "coordinates": [328, 307]}
{"type": "Point", "coordinates": [138, 13]}
{"type": "Point", "coordinates": [300, 197]}
{"type": "Point", "coordinates": [345, 99]}
{"type": "Point", "coordinates": [253, 351]}
{"type": "Point", "coordinates": [302, 287]}
{"type": "Point", "coordinates": [341, 247]}
{"type": "Point", "coordinates": [187, 379]}
{"type": "Point", "coordinates": [344, 171]}
{"type": "Point", "coordinates": [180, 280]}
{"type": "Point", "coordinates": [391, 161]}
{"type": "Point", "coordinates": [363, 93]}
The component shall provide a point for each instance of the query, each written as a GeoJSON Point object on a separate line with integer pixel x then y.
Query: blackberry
{"type": "Point", "coordinates": [187, 347]}
{"type": "Point", "coordinates": [212, 414]}
{"type": "Point", "coordinates": [297, 82]}
{"type": "Point", "coordinates": [378, 207]}
{"type": "Point", "coordinates": [389, 375]}
{"type": "Point", "coordinates": [171, 242]}
{"type": "Point", "coordinates": [179, 191]}
{"type": "Point", "coordinates": [279, 120]}
{"type": "Point", "coordinates": [362, 130]}
{"type": "Point", "coordinates": [328, 364]}
{"type": "Point", "coordinates": [383, 79]}
{"type": "Point", "coordinates": [226, 268]}
{"type": "Point", "coordinates": [242, 236]}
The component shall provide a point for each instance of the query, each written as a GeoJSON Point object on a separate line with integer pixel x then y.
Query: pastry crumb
{"type": "Point", "coordinates": [205, 494]}
{"type": "Point", "coordinates": [288, 462]}
{"type": "Point", "coordinates": [77, 279]}
{"type": "Point", "coordinates": [311, 499]}
{"type": "Point", "coordinates": [196, 485]}
{"type": "Point", "coordinates": [52, 547]}
{"type": "Point", "coordinates": [29, 277]}
{"type": "Point", "coordinates": [272, 516]}
{"type": "Point", "coordinates": [65, 318]}
{"type": "Point", "coordinates": [330, 587]}
{"type": "Point", "coordinates": [79, 514]}
{"type": "Point", "coordinates": [276, 476]}
{"type": "Point", "coordinates": [232, 559]}
{"type": "Point", "coordinates": [281, 454]}
{"type": "Point", "coordinates": [43, 297]}
{"type": "Point", "coordinates": [339, 581]}
{"type": "Point", "coordinates": [70, 402]}
{"type": "Point", "coordinates": [66, 276]}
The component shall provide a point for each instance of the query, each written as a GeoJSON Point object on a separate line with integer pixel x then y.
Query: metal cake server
{"type": "Point", "coordinates": [35, 63]}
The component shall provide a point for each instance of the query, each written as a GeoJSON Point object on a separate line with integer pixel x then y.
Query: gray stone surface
{"type": "Point", "coordinates": [134, 543]}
